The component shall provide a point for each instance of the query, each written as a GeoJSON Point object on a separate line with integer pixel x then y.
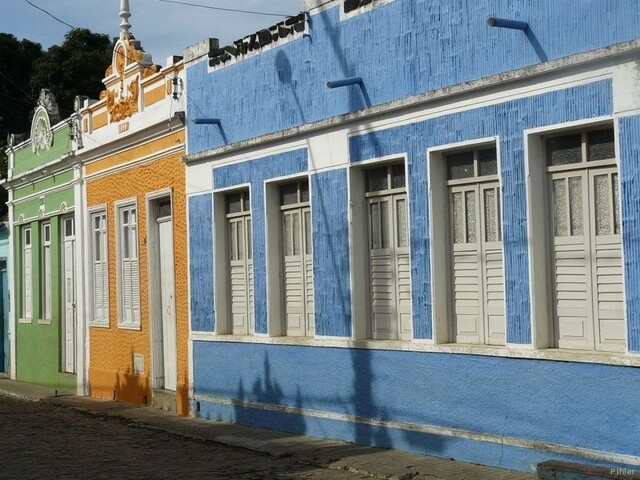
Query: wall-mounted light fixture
{"type": "Point", "coordinates": [345, 82]}
{"type": "Point", "coordinates": [207, 121]}
{"type": "Point", "coordinates": [506, 23]}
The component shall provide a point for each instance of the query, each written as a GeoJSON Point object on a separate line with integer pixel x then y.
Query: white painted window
{"type": "Point", "coordinates": [389, 260]}
{"type": "Point", "coordinates": [297, 259]}
{"type": "Point", "coordinates": [128, 264]}
{"type": "Point", "coordinates": [27, 298]}
{"type": "Point", "coordinates": [585, 244]}
{"type": "Point", "coordinates": [45, 271]}
{"type": "Point", "coordinates": [475, 247]}
{"type": "Point", "coordinates": [240, 263]}
{"type": "Point", "coordinates": [100, 268]}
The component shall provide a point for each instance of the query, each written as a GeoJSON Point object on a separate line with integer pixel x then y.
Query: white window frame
{"type": "Point", "coordinates": [95, 319]}
{"type": "Point", "coordinates": [305, 242]}
{"type": "Point", "coordinates": [361, 309]}
{"type": "Point", "coordinates": [135, 322]}
{"type": "Point", "coordinates": [438, 194]}
{"type": "Point", "coordinates": [27, 307]}
{"type": "Point", "coordinates": [588, 168]}
{"type": "Point", "coordinates": [45, 273]}
{"type": "Point", "coordinates": [477, 180]}
{"type": "Point", "coordinates": [541, 296]}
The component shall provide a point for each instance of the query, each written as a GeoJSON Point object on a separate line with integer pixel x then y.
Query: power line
{"type": "Point", "coordinates": [16, 85]}
{"type": "Point", "coordinates": [51, 15]}
{"type": "Point", "coordinates": [235, 10]}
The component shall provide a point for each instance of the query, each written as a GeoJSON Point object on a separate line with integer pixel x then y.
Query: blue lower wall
{"type": "Point", "coordinates": [578, 405]}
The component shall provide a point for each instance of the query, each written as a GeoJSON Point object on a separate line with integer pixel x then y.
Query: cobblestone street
{"type": "Point", "coordinates": [44, 441]}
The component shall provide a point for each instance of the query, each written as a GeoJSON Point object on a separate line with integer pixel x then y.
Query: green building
{"type": "Point", "coordinates": [45, 210]}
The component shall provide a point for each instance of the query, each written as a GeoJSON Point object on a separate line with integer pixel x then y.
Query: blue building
{"type": "Point", "coordinates": [416, 224]}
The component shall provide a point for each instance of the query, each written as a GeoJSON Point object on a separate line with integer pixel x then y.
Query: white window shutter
{"type": "Point", "coordinates": [135, 291]}
{"type": "Point", "coordinates": [127, 290]}
{"type": "Point", "coordinates": [27, 283]}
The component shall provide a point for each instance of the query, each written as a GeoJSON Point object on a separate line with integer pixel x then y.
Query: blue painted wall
{"type": "Point", "coordinates": [331, 272]}
{"type": "Point", "coordinates": [629, 130]}
{"type": "Point", "coordinates": [563, 403]}
{"type": "Point", "coordinates": [201, 262]}
{"type": "Point", "coordinates": [255, 172]}
{"type": "Point", "coordinates": [507, 121]}
{"type": "Point", "coordinates": [400, 49]}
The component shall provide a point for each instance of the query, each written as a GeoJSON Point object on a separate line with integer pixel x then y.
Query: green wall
{"type": "Point", "coordinates": [52, 201]}
{"type": "Point", "coordinates": [26, 160]}
{"type": "Point", "coordinates": [49, 182]}
{"type": "Point", "coordinates": [38, 345]}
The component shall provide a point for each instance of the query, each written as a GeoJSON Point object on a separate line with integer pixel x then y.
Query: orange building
{"type": "Point", "coordinates": [136, 260]}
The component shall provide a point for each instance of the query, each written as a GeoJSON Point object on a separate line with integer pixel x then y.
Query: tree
{"type": "Point", "coordinates": [17, 98]}
{"type": "Point", "coordinates": [74, 68]}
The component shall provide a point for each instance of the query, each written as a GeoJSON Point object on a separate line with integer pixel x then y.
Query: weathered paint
{"type": "Point", "coordinates": [256, 172]}
{"type": "Point", "coordinates": [629, 131]}
{"type": "Point", "coordinates": [329, 215]}
{"type": "Point", "coordinates": [433, 45]}
{"type": "Point", "coordinates": [507, 121]}
{"type": "Point", "coordinates": [542, 401]}
{"type": "Point", "coordinates": [112, 349]}
{"type": "Point", "coordinates": [201, 262]}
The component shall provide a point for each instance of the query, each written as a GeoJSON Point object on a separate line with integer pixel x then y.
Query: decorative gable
{"type": "Point", "coordinates": [46, 114]}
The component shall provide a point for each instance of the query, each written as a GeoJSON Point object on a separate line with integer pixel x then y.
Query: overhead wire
{"type": "Point", "coordinates": [223, 9]}
{"type": "Point", "coordinates": [127, 57]}
{"type": "Point", "coordinates": [51, 15]}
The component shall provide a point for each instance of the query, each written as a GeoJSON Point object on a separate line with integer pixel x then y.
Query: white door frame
{"type": "Point", "coordinates": [155, 287]}
{"type": "Point", "coordinates": [69, 364]}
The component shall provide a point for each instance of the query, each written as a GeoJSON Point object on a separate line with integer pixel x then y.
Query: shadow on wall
{"type": "Point", "coordinates": [121, 385]}
{"type": "Point", "coordinates": [287, 414]}
{"type": "Point", "coordinates": [265, 390]}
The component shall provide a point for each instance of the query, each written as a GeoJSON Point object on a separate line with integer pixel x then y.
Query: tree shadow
{"type": "Point", "coordinates": [266, 391]}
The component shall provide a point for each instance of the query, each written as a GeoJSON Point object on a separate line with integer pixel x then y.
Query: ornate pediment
{"type": "Point", "coordinates": [129, 65]}
{"type": "Point", "coordinates": [123, 103]}
{"type": "Point", "coordinates": [46, 114]}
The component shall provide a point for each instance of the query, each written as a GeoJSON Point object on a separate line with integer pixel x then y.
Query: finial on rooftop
{"type": "Point", "coordinates": [125, 13]}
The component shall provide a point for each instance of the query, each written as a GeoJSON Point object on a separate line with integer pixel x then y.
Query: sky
{"type": "Point", "coordinates": [163, 28]}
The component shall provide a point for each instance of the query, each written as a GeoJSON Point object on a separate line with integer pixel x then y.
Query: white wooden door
{"type": "Point", "coordinates": [606, 238]}
{"type": "Point", "coordinates": [389, 267]}
{"type": "Point", "coordinates": [477, 286]}
{"type": "Point", "coordinates": [587, 260]}
{"type": "Point", "coordinates": [69, 289]}
{"type": "Point", "coordinates": [27, 279]}
{"type": "Point", "coordinates": [298, 271]}
{"type": "Point", "coordinates": [167, 292]}
{"type": "Point", "coordinates": [241, 270]}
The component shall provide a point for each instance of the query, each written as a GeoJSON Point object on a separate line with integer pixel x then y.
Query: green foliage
{"type": "Point", "coordinates": [17, 98]}
{"type": "Point", "coordinates": [74, 68]}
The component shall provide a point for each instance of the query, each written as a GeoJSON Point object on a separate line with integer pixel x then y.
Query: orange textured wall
{"type": "Point", "coordinates": [112, 349]}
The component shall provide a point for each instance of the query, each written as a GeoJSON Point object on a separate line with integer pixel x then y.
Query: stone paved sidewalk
{"type": "Point", "coordinates": [328, 454]}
